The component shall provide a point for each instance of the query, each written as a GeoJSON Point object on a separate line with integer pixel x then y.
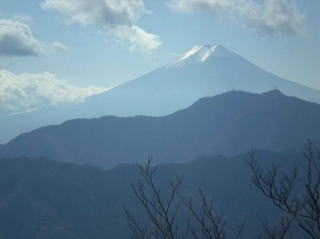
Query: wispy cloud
{"type": "Point", "coordinates": [23, 18]}
{"type": "Point", "coordinates": [27, 92]}
{"type": "Point", "coordinates": [57, 46]}
{"type": "Point", "coordinates": [16, 39]}
{"type": "Point", "coordinates": [275, 17]}
{"type": "Point", "coordinates": [116, 17]}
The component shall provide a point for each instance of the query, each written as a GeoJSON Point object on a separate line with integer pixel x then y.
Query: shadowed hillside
{"type": "Point", "coordinates": [42, 199]}
{"type": "Point", "coordinates": [226, 124]}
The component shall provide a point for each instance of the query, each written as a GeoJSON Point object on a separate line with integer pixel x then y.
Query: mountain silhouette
{"type": "Point", "coordinates": [227, 124]}
{"type": "Point", "coordinates": [45, 199]}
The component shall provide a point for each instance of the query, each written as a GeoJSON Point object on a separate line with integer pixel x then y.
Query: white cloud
{"type": "Point", "coordinates": [27, 92]}
{"type": "Point", "coordinates": [201, 5]}
{"type": "Point", "coordinates": [16, 39]}
{"type": "Point", "coordinates": [116, 17]}
{"type": "Point", "coordinates": [276, 17]}
{"type": "Point", "coordinates": [137, 37]}
{"type": "Point", "coordinates": [23, 18]}
{"type": "Point", "coordinates": [57, 46]}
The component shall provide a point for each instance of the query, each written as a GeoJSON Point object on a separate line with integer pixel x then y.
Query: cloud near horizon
{"type": "Point", "coordinates": [16, 39]}
{"type": "Point", "coordinates": [115, 17]}
{"type": "Point", "coordinates": [273, 17]}
{"type": "Point", "coordinates": [27, 92]}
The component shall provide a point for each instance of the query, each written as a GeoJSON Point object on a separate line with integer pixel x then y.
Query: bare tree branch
{"type": "Point", "coordinates": [302, 206]}
{"type": "Point", "coordinates": [161, 212]}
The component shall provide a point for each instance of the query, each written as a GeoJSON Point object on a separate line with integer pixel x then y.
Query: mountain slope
{"type": "Point", "coordinates": [44, 199]}
{"type": "Point", "coordinates": [228, 124]}
{"type": "Point", "coordinates": [201, 72]}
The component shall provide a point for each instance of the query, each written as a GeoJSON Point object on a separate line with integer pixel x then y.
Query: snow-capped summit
{"type": "Point", "coordinates": [201, 53]}
{"type": "Point", "coordinates": [204, 70]}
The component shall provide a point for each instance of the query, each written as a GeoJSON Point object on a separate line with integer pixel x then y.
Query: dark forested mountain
{"type": "Point", "coordinates": [45, 199]}
{"type": "Point", "coordinates": [203, 71]}
{"type": "Point", "coordinates": [226, 124]}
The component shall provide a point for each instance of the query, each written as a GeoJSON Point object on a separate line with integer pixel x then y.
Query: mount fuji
{"type": "Point", "coordinates": [204, 70]}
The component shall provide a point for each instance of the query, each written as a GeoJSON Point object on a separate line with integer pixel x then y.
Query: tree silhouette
{"type": "Point", "coordinates": [209, 223]}
{"type": "Point", "coordinates": [162, 212]}
{"type": "Point", "coordinates": [300, 205]}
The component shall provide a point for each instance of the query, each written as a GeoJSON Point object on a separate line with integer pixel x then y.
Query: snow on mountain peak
{"type": "Point", "coordinates": [201, 53]}
{"type": "Point", "coordinates": [196, 49]}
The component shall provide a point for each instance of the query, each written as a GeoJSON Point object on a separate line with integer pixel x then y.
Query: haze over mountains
{"type": "Point", "coordinates": [208, 102]}
{"type": "Point", "coordinates": [125, 119]}
{"type": "Point", "coordinates": [228, 124]}
{"type": "Point", "coordinates": [201, 72]}
{"type": "Point", "coordinates": [44, 199]}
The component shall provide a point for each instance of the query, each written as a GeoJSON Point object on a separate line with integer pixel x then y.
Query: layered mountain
{"type": "Point", "coordinates": [44, 199]}
{"type": "Point", "coordinates": [203, 71]}
{"type": "Point", "coordinates": [228, 124]}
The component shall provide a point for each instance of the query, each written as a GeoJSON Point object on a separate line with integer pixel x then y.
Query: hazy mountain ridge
{"type": "Point", "coordinates": [203, 71]}
{"type": "Point", "coordinates": [41, 198]}
{"type": "Point", "coordinates": [228, 124]}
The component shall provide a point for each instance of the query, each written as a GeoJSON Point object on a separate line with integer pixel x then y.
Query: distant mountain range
{"type": "Point", "coordinates": [44, 199]}
{"type": "Point", "coordinates": [228, 124]}
{"type": "Point", "coordinates": [201, 72]}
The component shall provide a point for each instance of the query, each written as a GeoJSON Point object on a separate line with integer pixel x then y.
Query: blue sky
{"type": "Point", "coordinates": [111, 41]}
